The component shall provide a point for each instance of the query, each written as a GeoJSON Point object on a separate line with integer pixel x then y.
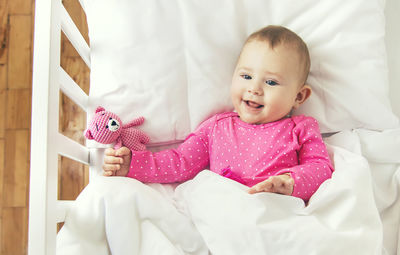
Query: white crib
{"type": "Point", "coordinates": [47, 143]}
{"type": "Point", "coordinates": [48, 79]}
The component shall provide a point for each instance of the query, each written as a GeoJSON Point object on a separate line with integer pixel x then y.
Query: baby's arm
{"type": "Point", "coordinates": [116, 162]}
{"type": "Point", "coordinates": [314, 164]}
{"type": "Point", "coordinates": [174, 165]}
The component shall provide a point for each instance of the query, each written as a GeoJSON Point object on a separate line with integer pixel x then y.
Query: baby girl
{"type": "Point", "coordinates": [261, 144]}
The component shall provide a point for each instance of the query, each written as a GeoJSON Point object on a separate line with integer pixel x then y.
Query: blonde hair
{"type": "Point", "coordinates": [278, 35]}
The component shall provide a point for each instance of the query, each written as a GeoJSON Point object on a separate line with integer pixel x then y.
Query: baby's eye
{"type": "Point", "coordinates": [271, 82]}
{"type": "Point", "coordinates": [246, 77]}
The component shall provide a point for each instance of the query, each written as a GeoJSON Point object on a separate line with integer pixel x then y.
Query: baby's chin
{"type": "Point", "coordinates": [252, 120]}
{"type": "Point", "coordinates": [258, 120]}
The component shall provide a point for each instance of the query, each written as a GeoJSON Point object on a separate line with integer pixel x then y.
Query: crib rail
{"type": "Point", "coordinates": [73, 34]}
{"type": "Point", "coordinates": [72, 90]}
{"type": "Point", "coordinates": [45, 210]}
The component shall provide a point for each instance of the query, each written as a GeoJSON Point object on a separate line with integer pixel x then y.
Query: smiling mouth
{"type": "Point", "coordinates": [253, 104]}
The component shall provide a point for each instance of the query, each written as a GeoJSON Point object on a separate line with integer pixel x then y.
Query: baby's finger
{"type": "Point", "coordinates": [123, 151]}
{"type": "Point", "coordinates": [109, 152]}
{"type": "Point", "coordinates": [277, 182]}
{"type": "Point", "coordinates": [113, 160]}
{"type": "Point", "coordinates": [108, 173]}
{"type": "Point", "coordinates": [267, 185]}
{"type": "Point", "coordinates": [261, 187]}
{"type": "Point", "coordinates": [111, 167]}
{"type": "Point", "coordinates": [252, 190]}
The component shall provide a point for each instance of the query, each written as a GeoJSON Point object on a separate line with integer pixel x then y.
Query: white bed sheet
{"type": "Point", "coordinates": [355, 212]}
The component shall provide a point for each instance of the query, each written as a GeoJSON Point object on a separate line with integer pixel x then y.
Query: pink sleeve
{"type": "Point", "coordinates": [174, 165]}
{"type": "Point", "coordinates": [314, 164]}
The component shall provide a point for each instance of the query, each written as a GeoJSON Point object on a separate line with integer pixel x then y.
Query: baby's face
{"type": "Point", "coordinates": [266, 82]}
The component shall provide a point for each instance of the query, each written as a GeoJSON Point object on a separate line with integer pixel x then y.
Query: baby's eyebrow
{"type": "Point", "coordinates": [274, 74]}
{"type": "Point", "coordinates": [242, 68]}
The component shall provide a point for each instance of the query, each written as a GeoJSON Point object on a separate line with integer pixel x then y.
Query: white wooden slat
{"type": "Point", "coordinates": [44, 161]}
{"type": "Point", "coordinates": [74, 36]}
{"type": "Point", "coordinates": [73, 150]}
{"type": "Point", "coordinates": [72, 90]}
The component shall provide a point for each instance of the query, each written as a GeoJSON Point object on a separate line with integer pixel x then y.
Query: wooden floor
{"type": "Point", "coordinates": [16, 50]}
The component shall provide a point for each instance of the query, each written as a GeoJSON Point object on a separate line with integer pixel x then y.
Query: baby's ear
{"type": "Point", "coordinates": [303, 94]}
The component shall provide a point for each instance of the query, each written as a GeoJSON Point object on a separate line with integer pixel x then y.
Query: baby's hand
{"type": "Point", "coordinates": [281, 184]}
{"type": "Point", "coordinates": [117, 162]}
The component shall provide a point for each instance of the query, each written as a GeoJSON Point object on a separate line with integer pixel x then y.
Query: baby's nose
{"type": "Point", "coordinates": [255, 91]}
{"type": "Point", "coordinates": [255, 88]}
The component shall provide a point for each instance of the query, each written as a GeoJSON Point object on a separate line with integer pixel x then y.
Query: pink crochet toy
{"type": "Point", "coordinates": [106, 127]}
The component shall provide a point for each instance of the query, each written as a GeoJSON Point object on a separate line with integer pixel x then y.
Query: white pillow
{"type": "Point", "coordinates": [392, 10]}
{"type": "Point", "coordinates": [172, 61]}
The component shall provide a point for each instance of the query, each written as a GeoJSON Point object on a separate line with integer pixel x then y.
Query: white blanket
{"type": "Point", "coordinates": [355, 212]}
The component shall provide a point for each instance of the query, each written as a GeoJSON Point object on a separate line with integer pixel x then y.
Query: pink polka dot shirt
{"type": "Point", "coordinates": [250, 153]}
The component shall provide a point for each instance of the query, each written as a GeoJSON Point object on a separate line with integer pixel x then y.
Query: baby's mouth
{"type": "Point", "coordinates": [253, 104]}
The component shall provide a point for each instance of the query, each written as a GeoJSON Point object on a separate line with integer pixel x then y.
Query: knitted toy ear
{"type": "Point", "coordinates": [99, 109]}
{"type": "Point", "coordinates": [89, 135]}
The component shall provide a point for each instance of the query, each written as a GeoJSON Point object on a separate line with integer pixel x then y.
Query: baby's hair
{"type": "Point", "coordinates": [278, 35]}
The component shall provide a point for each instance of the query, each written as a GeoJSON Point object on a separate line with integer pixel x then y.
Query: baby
{"type": "Point", "coordinates": [260, 145]}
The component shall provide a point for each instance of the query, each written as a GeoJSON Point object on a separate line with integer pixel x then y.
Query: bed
{"type": "Point", "coordinates": [172, 63]}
